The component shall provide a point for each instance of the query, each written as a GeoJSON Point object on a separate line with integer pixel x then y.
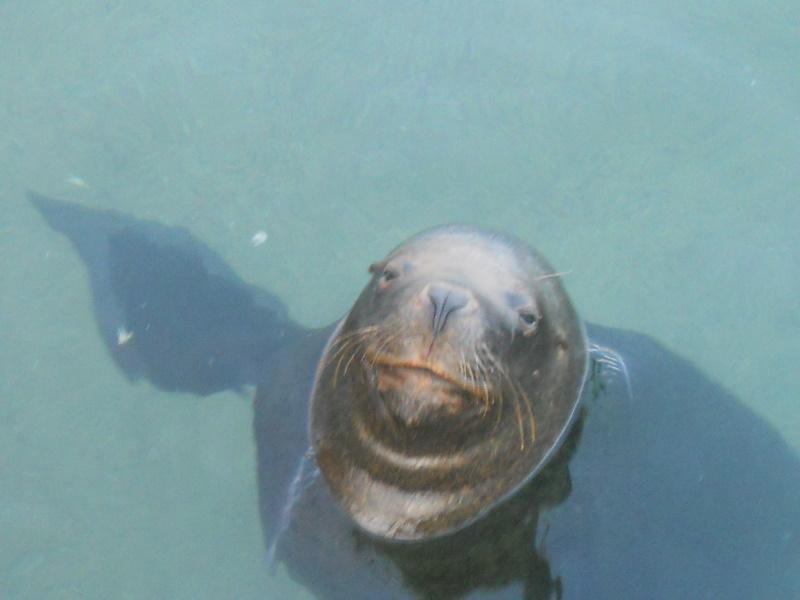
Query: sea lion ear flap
{"type": "Point", "coordinates": [377, 267]}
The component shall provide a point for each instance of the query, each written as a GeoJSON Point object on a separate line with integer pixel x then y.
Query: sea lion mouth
{"type": "Point", "coordinates": [419, 393]}
{"type": "Point", "coordinates": [432, 370]}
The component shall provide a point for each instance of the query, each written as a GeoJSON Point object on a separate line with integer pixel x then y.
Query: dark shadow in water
{"type": "Point", "coordinates": [196, 326]}
{"type": "Point", "coordinates": [678, 492]}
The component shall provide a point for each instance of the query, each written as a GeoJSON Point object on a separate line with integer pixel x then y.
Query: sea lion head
{"type": "Point", "coordinates": [449, 384]}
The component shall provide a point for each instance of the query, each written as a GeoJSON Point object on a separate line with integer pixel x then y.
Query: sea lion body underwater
{"type": "Point", "coordinates": [670, 488]}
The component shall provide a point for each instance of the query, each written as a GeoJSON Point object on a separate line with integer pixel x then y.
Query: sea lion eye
{"type": "Point", "coordinates": [526, 309]}
{"type": "Point", "coordinates": [387, 273]}
{"type": "Point", "coordinates": [529, 319]}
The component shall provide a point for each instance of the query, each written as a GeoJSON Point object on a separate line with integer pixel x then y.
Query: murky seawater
{"type": "Point", "coordinates": [649, 151]}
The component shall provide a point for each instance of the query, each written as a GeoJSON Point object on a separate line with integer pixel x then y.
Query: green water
{"type": "Point", "coordinates": [651, 151]}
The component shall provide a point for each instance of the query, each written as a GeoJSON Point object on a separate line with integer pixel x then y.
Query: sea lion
{"type": "Point", "coordinates": [671, 488]}
{"type": "Point", "coordinates": [450, 382]}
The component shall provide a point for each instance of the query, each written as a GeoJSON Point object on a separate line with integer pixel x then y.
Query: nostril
{"type": "Point", "coordinates": [445, 300]}
{"type": "Point", "coordinates": [438, 295]}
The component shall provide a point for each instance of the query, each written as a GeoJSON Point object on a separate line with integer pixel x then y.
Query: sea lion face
{"type": "Point", "coordinates": [453, 378]}
{"type": "Point", "coordinates": [445, 314]}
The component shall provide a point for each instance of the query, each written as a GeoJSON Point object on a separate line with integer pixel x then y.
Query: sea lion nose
{"type": "Point", "coordinates": [446, 299]}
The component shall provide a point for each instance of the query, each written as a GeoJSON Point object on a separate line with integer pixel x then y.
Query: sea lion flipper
{"type": "Point", "coordinates": [304, 476]}
{"type": "Point", "coordinates": [168, 307]}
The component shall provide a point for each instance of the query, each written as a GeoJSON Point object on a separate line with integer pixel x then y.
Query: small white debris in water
{"type": "Point", "coordinates": [123, 336]}
{"type": "Point", "coordinates": [78, 182]}
{"type": "Point", "coordinates": [259, 237]}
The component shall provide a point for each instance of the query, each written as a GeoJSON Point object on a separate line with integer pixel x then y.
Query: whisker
{"type": "Point", "coordinates": [479, 372]}
{"type": "Point", "coordinates": [462, 365]}
{"type": "Point", "coordinates": [357, 332]}
{"type": "Point", "coordinates": [338, 366]}
{"type": "Point", "coordinates": [484, 350]}
{"type": "Point", "coordinates": [552, 275]}
{"type": "Point", "coordinates": [390, 337]}
{"type": "Point", "coordinates": [521, 396]}
{"type": "Point", "coordinates": [529, 407]}
{"type": "Point", "coordinates": [470, 374]}
{"type": "Point", "coordinates": [349, 362]}
{"type": "Point", "coordinates": [515, 397]}
{"type": "Point", "coordinates": [346, 347]}
{"type": "Point", "coordinates": [518, 412]}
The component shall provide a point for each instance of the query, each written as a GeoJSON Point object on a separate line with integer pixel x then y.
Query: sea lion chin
{"type": "Point", "coordinates": [450, 383]}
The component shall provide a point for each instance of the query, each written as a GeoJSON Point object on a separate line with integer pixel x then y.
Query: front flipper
{"type": "Point", "coordinates": [168, 307]}
{"type": "Point", "coordinates": [680, 492]}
